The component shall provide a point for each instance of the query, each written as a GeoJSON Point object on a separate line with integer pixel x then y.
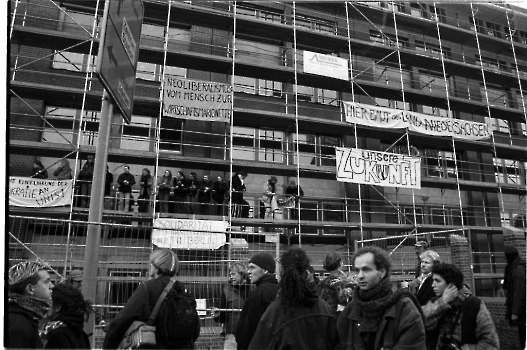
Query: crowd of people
{"type": "Point", "coordinates": [362, 310]}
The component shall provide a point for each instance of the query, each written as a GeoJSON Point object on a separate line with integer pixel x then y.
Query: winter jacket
{"type": "Point", "coordinates": [218, 192]}
{"type": "Point", "coordinates": [311, 325]}
{"type": "Point", "coordinates": [126, 188]}
{"type": "Point", "coordinates": [330, 289]}
{"type": "Point", "coordinates": [253, 309]}
{"type": "Point", "coordinates": [442, 316]}
{"type": "Point", "coordinates": [86, 173]}
{"type": "Point", "coordinates": [138, 308]}
{"type": "Point", "coordinates": [232, 297]}
{"type": "Point", "coordinates": [63, 173]}
{"type": "Point", "coordinates": [204, 193]}
{"type": "Point", "coordinates": [65, 331]}
{"type": "Point", "coordinates": [39, 173]}
{"type": "Point", "coordinates": [401, 327]}
{"type": "Point", "coordinates": [515, 292]}
{"type": "Point", "coordinates": [426, 292]}
{"type": "Point", "coordinates": [22, 328]}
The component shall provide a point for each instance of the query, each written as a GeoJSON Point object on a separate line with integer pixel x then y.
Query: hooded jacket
{"type": "Point", "coordinates": [65, 331]}
{"type": "Point", "coordinates": [253, 309]}
{"type": "Point", "coordinates": [310, 325]}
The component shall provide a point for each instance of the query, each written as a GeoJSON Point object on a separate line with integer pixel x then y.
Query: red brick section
{"type": "Point", "coordinates": [508, 335]}
{"type": "Point", "coordinates": [461, 256]}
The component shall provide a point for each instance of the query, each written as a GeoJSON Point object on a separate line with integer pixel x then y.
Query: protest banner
{"type": "Point", "coordinates": [378, 168]}
{"type": "Point", "coordinates": [325, 65]}
{"type": "Point", "coordinates": [189, 234]}
{"type": "Point", "coordinates": [197, 100]}
{"type": "Point", "coordinates": [382, 117]}
{"type": "Point", "coordinates": [39, 193]}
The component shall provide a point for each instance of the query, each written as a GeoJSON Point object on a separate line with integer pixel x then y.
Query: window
{"type": "Point", "coordinates": [521, 69]}
{"type": "Point", "coordinates": [270, 146]}
{"type": "Point", "coordinates": [259, 52]}
{"type": "Point", "coordinates": [315, 24]}
{"type": "Point", "coordinates": [509, 171]}
{"type": "Point", "coordinates": [434, 82]}
{"type": "Point", "coordinates": [439, 112]}
{"type": "Point", "coordinates": [491, 63]}
{"type": "Point", "coordinates": [171, 135]}
{"type": "Point", "coordinates": [497, 95]}
{"type": "Point", "coordinates": [316, 95]}
{"type": "Point", "coordinates": [388, 39]}
{"type": "Point", "coordinates": [493, 29]}
{"type": "Point", "coordinates": [382, 102]}
{"type": "Point", "coordinates": [260, 13]}
{"type": "Point", "coordinates": [431, 49]}
{"type": "Point", "coordinates": [389, 75]}
{"type": "Point", "coordinates": [257, 86]}
{"type": "Point", "coordinates": [314, 149]}
{"type": "Point", "coordinates": [418, 10]}
{"type": "Point", "coordinates": [479, 25]}
{"type": "Point", "coordinates": [440, 163]}
{"type": "Point", "coordinates": [439, 14]}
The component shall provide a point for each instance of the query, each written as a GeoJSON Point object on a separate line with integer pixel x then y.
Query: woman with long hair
{"type": "Point", "coordinates": [180, 192]}
{"type": "Point", "coordinates": [69, 312]}
{"type": "Point", "coordinates": [165, 186]}
{"type": "Point", "coordinates": [233, 297]}
{"type": "Point", "coordinates": [39, 170]}
{"type": "Point", "coordinates": [145, 191]}
{"type": "Point", "coordinates": [297, 319]}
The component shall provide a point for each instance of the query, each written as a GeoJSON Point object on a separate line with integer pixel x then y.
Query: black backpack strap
{"type": "Point", "coordinates": [162, 297]}
{"type": "Point", "coordinates": [471, 308]}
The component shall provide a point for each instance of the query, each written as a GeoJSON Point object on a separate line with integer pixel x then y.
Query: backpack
{"type": "Point", "coordinates": [177, 324]}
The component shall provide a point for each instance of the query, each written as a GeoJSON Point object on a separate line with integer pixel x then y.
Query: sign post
{"type": "Point", "coordinates": [116, 67]}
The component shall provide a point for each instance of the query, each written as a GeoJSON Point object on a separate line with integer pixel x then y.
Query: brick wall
{"type": "Point", "coordinates": [461, 257]}
{"type": "Point", "coordinates": [508, 335]}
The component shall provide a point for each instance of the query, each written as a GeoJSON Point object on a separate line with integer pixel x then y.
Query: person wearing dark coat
{"type": "Point", "coordinates": [125, 181]}
{"type": "Point", "coordinates": [261, 273]}
{"type": "Point", "coordinates": [297, 319]}
{"type": "Point", "coordinates": [377, 317]}
{"type": "Point", "coordinates": [85, 179]}
{"type": "Point", "coordinates": [233, 296]}
{"type": "Point", "coordinates": [39, 170]}
{"type": "Point", "coordinates": [69, 312]}
{"type": "Point", "coordinates": [425, 292]}
{"type": "Point", "coordinates": [218, 194]}
{"type": "Point", "coordinates": [514, 285]}
{"type": "Point", "coordinates": [180, 193]}
{"type": "Point", "coordinates": [63, 171]}
{"type": "Point", "coordinates": [164, 265]}
{"type": "Point", "coordinates": [240, 207]}
{"type": "Point", "coordinates": [145, 191]}
{"type": "Point", "coordinates": [29, 299]}
{"type": "Point", "coordinates": [332, 285]}
{"type": "Point", "coordinates": [165, 185]}
{"type": "Point", "coordinates": [204, 195]}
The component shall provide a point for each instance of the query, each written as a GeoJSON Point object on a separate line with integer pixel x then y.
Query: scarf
{"type": "Point", "coordinates": [35, 305]}
{"type": "Point", "coordinates": [373, 303]}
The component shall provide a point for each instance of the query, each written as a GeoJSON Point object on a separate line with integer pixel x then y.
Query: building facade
{"type": "Point", "coordinates": [457, 61]}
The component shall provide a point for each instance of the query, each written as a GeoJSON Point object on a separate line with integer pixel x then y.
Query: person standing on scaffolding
{"type": "Point", "coordinates": [240, 207]}
{"type": "Point", "coordinates": [125, 181]}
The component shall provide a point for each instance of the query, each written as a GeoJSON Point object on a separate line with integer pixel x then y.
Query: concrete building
{"type": "Point", "coordinates": [465, 63]}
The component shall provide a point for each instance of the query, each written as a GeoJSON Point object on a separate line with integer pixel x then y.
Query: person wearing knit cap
{"type": "Point", "coordinates": [164, 264]}
{"type": "Point", "coordinates": [29, 299]}
{"type": "Point", "coordinates": [298, 318]}
{"type": "Point", "coordinates": [261, 273]}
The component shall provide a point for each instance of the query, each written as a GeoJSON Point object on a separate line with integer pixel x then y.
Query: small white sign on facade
{"type": "Point", "coordinates": [189, 234]}
{"type": "Point", "coordinates": [325, 65]}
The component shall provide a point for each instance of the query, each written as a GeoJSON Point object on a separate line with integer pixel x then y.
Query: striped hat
{"type": "Point", "coordinates": [24, 270]}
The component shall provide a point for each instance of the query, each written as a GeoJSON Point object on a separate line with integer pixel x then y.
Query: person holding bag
{"type": "Point", "coordinates": [143, 303]}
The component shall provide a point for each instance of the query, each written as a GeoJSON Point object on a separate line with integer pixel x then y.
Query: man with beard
{"type": "Point", "coordinates": [262, 274]}
{"type": "Point", "coordinates": [29, 300]}
{"type": "Point", "coordinates": [298, 318]}
{"type": "Point", "coordinates": [377, 317]}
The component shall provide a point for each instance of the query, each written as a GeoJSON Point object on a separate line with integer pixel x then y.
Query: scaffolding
{"type": "Point", "coordinates": [227, 42]}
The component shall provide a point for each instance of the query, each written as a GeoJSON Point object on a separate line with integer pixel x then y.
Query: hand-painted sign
{"type": "Point", "coordinates": [197, 100]}
{"type": "Point", "coordinates": [378, 168]}
{"type": "Point", "coordinates": [325, 65]}
{"type": "Point", "coordinates": [189, 234]}
{"type": "Point", "coordinates": [39, 193]}
{"type": "Point", "coordinates": [382, 117]}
